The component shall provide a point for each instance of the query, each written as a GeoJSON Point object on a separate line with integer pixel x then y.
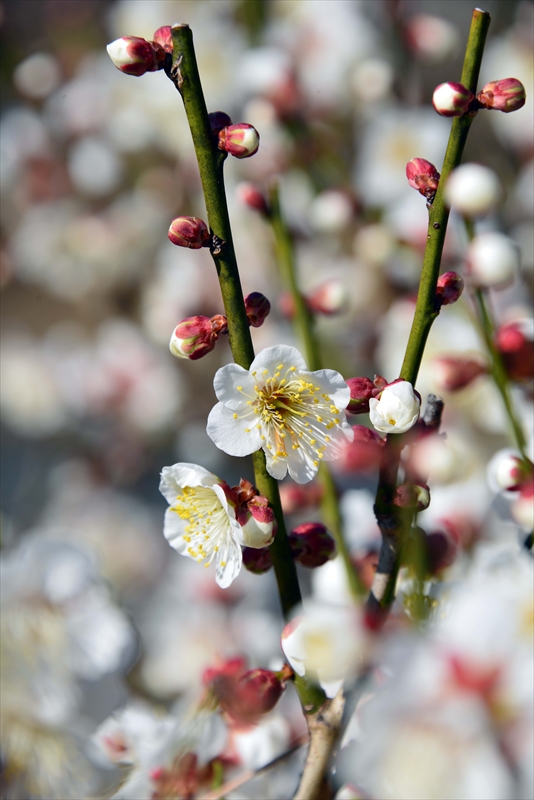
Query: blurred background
{"type": "Point", "coordinates": [94, 166]}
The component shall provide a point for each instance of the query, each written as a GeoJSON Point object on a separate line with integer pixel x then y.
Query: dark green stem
{"type": "Point", "coordinates": [305, 325]}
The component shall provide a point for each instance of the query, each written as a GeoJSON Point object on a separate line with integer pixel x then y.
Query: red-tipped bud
{"type": "Point", "coordinates": [412, 495]}
{"type": "Point", "coordinates": [135, 56]}
{"type": "Point", "coordinates": [232, 667]}
{"type": "Point", "coordinates": [241, 140]}
{"type": "Point", "coordinates": [328, 298]}
{"type": "Point", "coordinates": [514, 341]}
{"type": "Point", "coordinates": [255, 692]}
{"type": "Point", "coordinates": [523, 507]}
{"type": "Point", "coordinates": [361, 390]}
{"type": "Point", "coordinates": [509, 472]}
{"type": "Point", "coordinates": [218, 121]}
{"type": "Point", "coordinates": [250, 196]}
{"type": "Point", "coordinates": [257, 559]}
{"type": "Point", "coordinates": [257, 307]}
{"type": "Point", "coordinates": [189, 232]}
{"type": "Point", "coordinates": [193, 338]}
{"type": "Point", "coordinates": [296, 496]}
{"type": "Point", "coordinates": [163, 37]}
{"type": "Point", "coordinates": [258, 523]}
{"type": "Point", "coordinates": [311, 544]}
{"type": "Point", "coordinates": [452, 99]}
{"type": "Point", "coordinates": [453, 373]}
{"type": "Point", "coordinates": [450, 287]}
{"type": "Point", "coordinates": [506, 95]}
{"type": "Point", "coordinates": [423, 176]}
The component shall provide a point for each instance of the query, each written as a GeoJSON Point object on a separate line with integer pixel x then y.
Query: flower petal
{"type": "Point", "coordinates": [173, 530]}
{"type": "Point", "coordinates": [225, 384]}
{"type": "Point", "coordinates": [174, 478]}
{"type": "Point", "coordinates": [301, 466]}
{"type": "Point", "coordinates": [276, 467]}
{"type": "Point", "coordinates": [229, 560]}
{"type": "Point", "coordinates": [271, 357]}
{"type": "Point", "coordinates": [333, 384]}
{"type": "Point", "coordinates": [237, 437]}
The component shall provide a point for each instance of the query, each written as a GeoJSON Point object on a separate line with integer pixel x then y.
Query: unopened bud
{"type": "Point", "coordinates": [492, 260]}
{"type": "Point", "coordinates": [452, 99]}
{"type": "Point", "coordinates": [515, 343]}
{"type": "Point", "coordinates": [255, 692]}
{"type": "Point", "coordinates": [257, 307]}
{"type": "Point", "coordinates": [231, 668]}
{"type": "Point", "coordinates": [241, 140]}
{"type": "Point", "coordinates": [295, 497]}
{"type": "Point", "coordinates": [311, 544]}
{"type": "Point", "coordinates": [257, 559]}
{"type": "Point", "coordinates": [441, 551]}
{"type": "Point", "coordinates": [329, 298]}
{"type": "Point", "coordinates": [508, 471]}
{"type": "Point", "coordinates": [189, 232]}
{"type": "Point", "coordinates": [193, 338]}
{"type": "Point", "coordinates": [135, 56]}
{"type": "Point", "coordinates": [449, 289]}
{"type": "Point", "coordinates": [505, 95]}
{"type": "Point", "coordinates": [361, 390]}
{"type": "Point", "coordinates": [250, 196]}
{"type": "Point", "coordinates": [218, 120]}
{"type": "Point", "coordinates": [472, 190]}
{"type": "Point", "coordinates": [523, 508]}
{"type": "Point", "coordinates": [412, 495]}
{"type": "Point", "coordinates": [423, 176]}
{"type": "Point", "coordinates": [396, 409]}
{"type": "Point", "coordinates": [219, 324]}
{"type": "Point", "coordinates": [453, 373]}
{"type": "Point", "coordinates": [163, 37]}
{"type": "Point", "coordinates": [258, 523]}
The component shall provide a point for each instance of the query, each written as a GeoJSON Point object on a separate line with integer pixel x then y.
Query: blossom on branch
{"type": "Point", "coordinates": [296, 416]}
{"type": "Point", "coordinates": [396, 409]}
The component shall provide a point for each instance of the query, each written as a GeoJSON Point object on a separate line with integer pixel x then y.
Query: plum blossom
{"type": "Point", "coordinates": [296, 416]}
{"type": "Point", "coordinates": [201, 522]}
{"type": "Point", "coordinates": [396, 409]}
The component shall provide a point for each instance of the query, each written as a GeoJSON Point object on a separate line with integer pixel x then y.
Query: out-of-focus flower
{"type": "Point", "coordinates": [295, 497]}
{"type": "Point", "coordinates": [311, 544]}
{"type": "Point", "coordinates": [296, 416]}
{"type": "Point", "coordinates": [363, 453]}
{"type": "Point", "coordinates": [504, 95]}
{"type": "Point", "coordinates": [241, 140]}
{"type": "Point", "coordinates": [38, 75]}
{"type": "Point", "coordinates": [328, 298]}
{"type": "Point", "coordinates": [251, 196]}
{"type": "Point", "coordinates": [135, 56]}
{"type": "Point", "coordinates": [200, 522]}
{"type": "Point", "coordinates": [193, 338]}
{"type": "Point", "coordinates": [452, 373]}
{"type": "Point", "coordinates": [507, 471]}
{"type": "Point", "coordinates": [189, 232]}
{"type": "Point", "coordinates": [257, 307]}
{"type": "Point", "coordinates": [452, 99]}
{"type": "Point", "coordinates": [412, 495]}
{"type": "Point", "coordinates": [515, 343]}
{"type": "Point", "coordinates": [331, 212]}
{"type": "Point", "coordinates": [432, 39]}
{"type": "Point", "coordinates": [259, 745]}
{"type": "Point", "coordinates": [492, 260]}
{"type": "Point", "coordinates": [449, 289]}
{"type": "Point", "coordinates": [423, 176]}
{"type": "Point", "coordinates": [472, 190]}
{"type": "Point", "coordinates": [523, 507]}
{"type": "Point", "coordinates": [396, 409]}
{"type": "Point", "coordinates": [122, 737]}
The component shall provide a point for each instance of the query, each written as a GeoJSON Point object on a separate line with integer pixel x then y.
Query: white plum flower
{"type": "Point", "coordinates": [296, 416]}
{"type": "Point", "coordinates": [396, 409]}
{"type": "Point", "coordinates": [200, 522]}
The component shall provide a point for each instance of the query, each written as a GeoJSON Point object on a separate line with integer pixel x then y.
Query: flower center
{"type": "Point", "coordinates": [207, 521]}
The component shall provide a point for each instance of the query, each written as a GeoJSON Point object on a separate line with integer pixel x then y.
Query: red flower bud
{"type": "Point", "coordinates": [255, 692]}
{"type": "Point", "coordinates": [452, 99]}
{"type": "Point", "coordinates": [311, 544]}
{"type": "Point", "coordinates": [450, 287]}
{"type": "Point", "coordinates": [250, 196]}
{"type": "Point", "coordinates": [135, 56]}
{"type": "Point", "coordinates": [441, 551]}
{"type": "Point", "coordinates": [361, 390]}
{"type": "Point", "coordinates": [423, 176]}
{"type": "Point", "coordinates": [258, 523]}
{"type": "Point", "coordinates": [232, 667]}
{"type": "Point", "coordinates": [257, 307]}
{"type": "Point", "coordinates": [193, 338]}
{"type": "Point", "coordinates": [218, 121]}
{"type": "Point", "coordinates": [163, 37]}
{"type": "Point", "coordinates": [189, 232]}
{"type": "Point", "coordinates": [257, 559]}
{"type": "Point", "coordinates": [329, 298]}
{"type": "Point", "coordinates": [505, 95]}
{"type": "Point", "coordinates": [453, 373]}
{"type": "Point", "coordinates": [515, 344]}
{"type": "Point", "coordinates": [412, 495]}
{"type": "Point", "coordinates": [241, 140]}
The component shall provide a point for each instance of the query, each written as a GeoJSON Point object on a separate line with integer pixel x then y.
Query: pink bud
{"type": "Point", "coordinates": [296, 496]}
{"type": "Point", "coordinates": [423, 176]}
{"type": "Point", "coordinates": [450, 287]}
{"type": "Point", "coordinates": [523, 507]}
{"type": "Point", "coordinates": [255, 692]}
{"type": "Point", "coordinates": [512, 472]}
{"type": "Point", "coordinates": [515, 343]}
{"type": "Point", "coordinates": [258, 523]}
{"type": "Point", "coordinates": [453, 373]}
{"type": "Point", "coordinates": [329, 298]}
{"type": "Point", "coordinates": [363, 454]}
{"type": "Point", "coordinates": [311, 544]}
{"type": "Point", "coordinates": [193, 338]}
{"type": "Point", "coordinates": [135, 56]}
{"type": "Point", "coordinates": [218, 121]}
{"type": "Point", "coordinates": [441, 551]}
{"type": "Point", "coordinates": [257, 559]}
{"type": "Point", "coordinates": [241, 140]}
{"type": "Point", "coordinates": [452, 99]}
{"type": "Point", "coordinates": [189, 232]}
{"type": "Point", "coordinates": [250, 196]}
{"type": "Point", "coordinates": [412, 495]}
{"type": "Point", "coordinates": [257, 307]}
{"type": "Point", "coordinates": [505, 95]}
{"type": "Point", "coordinates": [163, 37]}
{"type": "Point", "coordinates": [361, 390]}
{"type": "Point", "coordinates": [232, 667]}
